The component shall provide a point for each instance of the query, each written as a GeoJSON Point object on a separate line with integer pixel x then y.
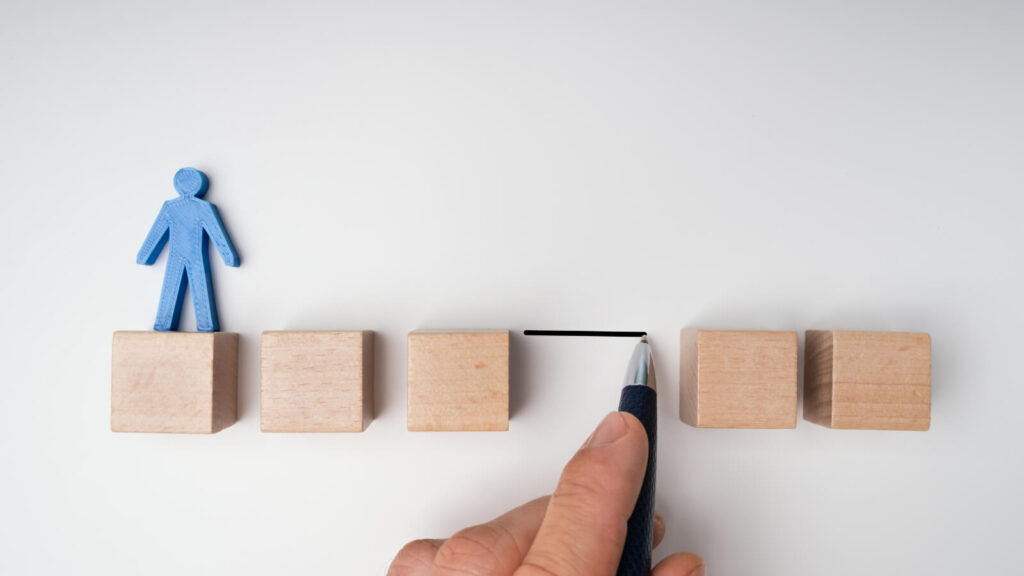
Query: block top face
{"type": "Point", "coordinates": [170, 341]}
{"type": "Point", "coordinates": [734, 358]}
{"type": "Point", "coordinates": [316, 381]}
{"type": "Point", "coordinates": [484, 331]}
{"type": "Point", "coordinates": [738, 378]}
{"type": "Point", "coordinates": [306, 351]}
{"type": "Point", "coordinates": [450, 354]}
{"type": "Point", "coordinates": [726, 355]}
{"type": "Point", "coordinates": [169, 351]}
{"type": "Point", "coordinates": [299, 338]}
{"type": "Point", "coordinates": [458, 380]}
{"type": "Point", "coordinates": [881, 380]}
{"type": "Point", "coordinates": [883, 357]}
{"type": "Point", "coordinates": [440, 342]}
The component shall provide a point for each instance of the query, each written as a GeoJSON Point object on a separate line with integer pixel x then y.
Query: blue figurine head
{"type": "Point", "coordinates": [190, 182]}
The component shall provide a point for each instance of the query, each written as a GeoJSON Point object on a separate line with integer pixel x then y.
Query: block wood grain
{"type": "Point", "coordinates": [738, 379]}
{"type": "Point", "coordinates": [868, 380]}
{"type": "Point", "coordinates": [458, 380]}
{"type": "Point", "coordinates": [316, 381]}
{"type": "Point", "coordinates": [173, 382]}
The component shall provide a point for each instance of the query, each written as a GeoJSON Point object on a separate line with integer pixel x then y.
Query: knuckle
{"type": "Point", "coordinates": [579, 488]}
{"type": "Point", "coordinates": [545, 562]}
{"type": "Point", "coordinates": [568, 558]}
{"type": "Point", "coordinates": [413, 559]}
{"type": "Point", "coordinates": [594, 478]}
{"type": "Point", "coordinates": [419, 547]}
{"type": "Point", "coordinates": [479, 549]}
{"type": "Point", "coordinates": [530, 568]}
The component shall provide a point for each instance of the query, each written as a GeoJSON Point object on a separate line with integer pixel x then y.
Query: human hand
{"type": "Point", "coordinates": [577, 531]}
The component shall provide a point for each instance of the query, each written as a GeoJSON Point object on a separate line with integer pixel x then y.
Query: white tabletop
{"type": "Point", "coordinates": [642, 166]}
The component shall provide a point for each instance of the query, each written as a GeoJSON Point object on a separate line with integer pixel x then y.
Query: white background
{"type": "Point", "coordinates": [637, 166]}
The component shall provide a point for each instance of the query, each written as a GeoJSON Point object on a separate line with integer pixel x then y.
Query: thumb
{"type": "Point", "coordinates": [584, 529]}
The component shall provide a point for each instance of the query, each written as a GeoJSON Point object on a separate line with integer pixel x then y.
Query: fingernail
{"type": "Point", "coordinates": [699, 571]}
{"type": "Point", "coordinates": [609, 430]}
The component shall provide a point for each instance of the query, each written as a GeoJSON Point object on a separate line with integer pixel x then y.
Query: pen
{"type": "Point", "coordinates": [640, 398]}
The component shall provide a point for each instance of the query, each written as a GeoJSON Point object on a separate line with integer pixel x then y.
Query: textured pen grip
{"type": "Point", "coordinates": [642, 402]}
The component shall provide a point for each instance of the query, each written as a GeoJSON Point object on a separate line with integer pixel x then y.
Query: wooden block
{"type": "Point", "coordinates": [868, 380]}
{"type": "Point", "coordinates": [173, 382]}
{"type": "Point", "coordinates": [458, 380]}
{"type": "Point", "coordinates": [316, 381]}
{"type": "Point", "coordinates": [738, 379]}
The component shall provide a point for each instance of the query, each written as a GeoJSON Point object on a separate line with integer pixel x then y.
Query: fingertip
{"type": "Point", "coordinates": [615, 426]}
{"type": "Point", "coordinates": [637, 433]}
{"type": "Point", "coordinates": [612, 428]}
{"type": "Point", "coordinates": [634, 424]}
{"type": "Point", "coordinates": [681, 564]}
{"type": "Point", "coordinates": [659, 529]}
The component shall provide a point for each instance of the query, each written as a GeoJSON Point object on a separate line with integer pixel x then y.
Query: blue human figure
{"type": "Point", "coordinates": [189, 223]}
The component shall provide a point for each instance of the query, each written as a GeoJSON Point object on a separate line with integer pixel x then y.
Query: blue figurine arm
{"type": "Point", "coordinates": [214, 226]}
{"type": "Point", "coordinates": [155, 240]}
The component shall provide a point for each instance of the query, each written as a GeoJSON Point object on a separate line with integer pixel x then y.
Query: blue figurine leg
{"type": "Point", "coordinates": [172, 296]}
{"type": "Point", "coordinates": [202, 296]}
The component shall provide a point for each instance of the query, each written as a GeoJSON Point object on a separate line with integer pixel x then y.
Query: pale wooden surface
{"type": "Point", "coordinates": [316, 381]}
{"type": "Point", "coordinates": [868, 380]}
{"type": "Point", "coordinates": [185, 382]}
{"type": "Point", "coordinates": [458, 380]}
{"type": "Point", "coordinates": [738, 379]}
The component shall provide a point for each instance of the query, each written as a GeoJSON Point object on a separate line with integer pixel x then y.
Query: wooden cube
{"type": "Point", "coordinates": [184, 382]}
{"type": "Point", "coordinates": [458, 380]}
{"type": "Point", "coordinates": [868, 380]}
{"type": "Point", "coordinates": [738, 379]}
{"type": "Point", "coordinates": [316, 381]}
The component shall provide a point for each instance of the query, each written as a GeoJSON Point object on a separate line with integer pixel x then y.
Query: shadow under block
{"type": "Point", "coordinates": [458, 381]}
{"type": "Point", "coordinates": [182, 382]}
{"type": "Point", "coordinates": [738, 379]}
{"type": "Point", "coordinates": [868, 380]}
{"type": "Point", "coordinates": [316, 381]}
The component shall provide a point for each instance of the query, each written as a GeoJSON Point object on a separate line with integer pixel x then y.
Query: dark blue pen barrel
{"type": "Point", "coordinates": [642, 402]}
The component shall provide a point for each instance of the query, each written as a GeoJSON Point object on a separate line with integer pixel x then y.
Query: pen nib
{"type": "Point", "coordinates": [641, 366]}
